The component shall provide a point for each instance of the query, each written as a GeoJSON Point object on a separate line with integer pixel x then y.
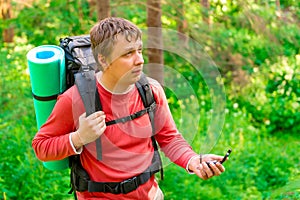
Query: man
{"type": "Point", "coordinates": [127, 148]}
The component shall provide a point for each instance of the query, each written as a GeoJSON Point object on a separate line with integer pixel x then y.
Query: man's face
{"type": "Point", "coordinates": [126, 61]}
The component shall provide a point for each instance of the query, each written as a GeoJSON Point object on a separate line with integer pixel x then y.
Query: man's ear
{"type": "Point", "coordinates": [102, 61]}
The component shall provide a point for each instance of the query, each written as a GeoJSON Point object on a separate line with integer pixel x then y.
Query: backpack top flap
{"type": "Point", "coordinates": [78, 56]}
{"type": "Point", "coordinates": [78, 52]}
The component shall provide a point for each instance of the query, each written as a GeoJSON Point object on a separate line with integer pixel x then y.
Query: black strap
{"type": "Point", "coordinates": [98, 107]}
{"type": "Point", "coordinates": [132, 116]}
{"type": "Point", "coordinates": [123, 187]}
{"type": "Point", "coordinates": [127, 185]}
{"type": "Point", "coordinates": [148, 99]}
{"type": "Point", "coordinates": [47, 98]}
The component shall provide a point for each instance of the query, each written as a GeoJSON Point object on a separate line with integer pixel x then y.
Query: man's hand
{"type": "Point", "coordinates": [90, 128]}
{"type": "Point", "coordinates": [203, 170]}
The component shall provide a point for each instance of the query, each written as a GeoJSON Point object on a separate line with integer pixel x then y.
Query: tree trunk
{"type": "Point", "coordinates": [6, 14]}
{"type": "Point", "coordinates": [181, 22]}
{"type": "Point", "coordinates": [103, 9]}
{"type": "Point", "coordinates": [205, 10]}
{"type": "Point", "coordinates": [278, 9]}
{"type": "Point", "coordinates": [92, 7]}
{"type": "Point", "coordinates": [155, 66]}
{"type": "Point", "coordinates": [278, 4]}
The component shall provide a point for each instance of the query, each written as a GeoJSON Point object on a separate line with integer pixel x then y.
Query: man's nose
{"type": "Point", "coordinates": [139, 58]}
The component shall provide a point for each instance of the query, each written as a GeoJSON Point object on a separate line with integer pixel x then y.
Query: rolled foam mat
{"type": "Point", "coordinates": [48, 79]}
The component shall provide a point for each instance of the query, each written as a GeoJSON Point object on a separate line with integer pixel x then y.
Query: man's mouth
{"type": "Point", "coordinates": [136, 71]}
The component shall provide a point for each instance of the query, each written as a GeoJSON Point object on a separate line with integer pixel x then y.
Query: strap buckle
{"type": "Point", "coordinates": [152, 106]}
{"type": "Point", "coordinates": [129, 185]}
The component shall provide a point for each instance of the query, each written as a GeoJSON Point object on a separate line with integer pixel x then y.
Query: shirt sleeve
{"type": "Point", "coordinates": [52, 141]}
{"type": "Point", "coordinates": [171, 142]}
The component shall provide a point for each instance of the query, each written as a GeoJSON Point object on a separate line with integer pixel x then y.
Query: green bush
{"type": "Point", "coordinates": [272, 97]}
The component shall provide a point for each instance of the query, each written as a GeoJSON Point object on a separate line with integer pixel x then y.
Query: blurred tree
{"type": "Point", "coordinates": [278, 12]}
{"type": "Point", "coordinates": [92, 5]}
{"type": "Point", "coordinates": [103, 9]}
{"type": "Point", "coordinates": [6, 14]}
{"type": "Point", "coordinates": [181, 22]}
{"type": "Point", "coordinates": [205, 10]}
{"type": "Point", "coordinates": [155, 54]}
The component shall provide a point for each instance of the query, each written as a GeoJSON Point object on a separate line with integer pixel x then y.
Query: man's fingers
{"type": "Point", "coordinates": [96, 115]}
{"type": "Point", "coordinates": [100, 119]}
{"type": "Point", "coordinates": [217, 168]}
{"type": "Point", "coordinates": [96, 118]}
{"type": "Point", "coordinates": [220, 167]}
{"type": "Point", "coordinates": [101, 125]}
{"type": "Point", "coordinates": [209, 157]}
{"type": "Point", "coordinates": [207, 170]}
{"type": "Point", "coordinates": [201, 173]}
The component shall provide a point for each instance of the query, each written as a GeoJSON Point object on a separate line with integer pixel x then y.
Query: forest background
{"type": "Point", "coordinates": [254, 46]}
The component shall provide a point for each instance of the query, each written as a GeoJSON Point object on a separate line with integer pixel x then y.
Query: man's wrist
{"type": "Point", "coordinates": [188, 164]}
{"type": "Point", "coordinates": [76, 140]}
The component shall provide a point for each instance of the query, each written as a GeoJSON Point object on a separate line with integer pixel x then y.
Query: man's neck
{"type": "Point", "coordinates": [111, 84]}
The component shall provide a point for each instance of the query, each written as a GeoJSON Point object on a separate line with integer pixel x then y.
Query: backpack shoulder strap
{"type": "Point", "coordinates": [86, 84]}
{"type": "Point", "coordinates": [146, 94]}
{"type": "Point", "coordinates": [145, 91]}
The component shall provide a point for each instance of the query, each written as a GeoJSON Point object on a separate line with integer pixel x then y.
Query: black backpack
{"type": "Point", "coordinates": [80, 69]}
{"type": "Point", "coordinates": [78, 55]}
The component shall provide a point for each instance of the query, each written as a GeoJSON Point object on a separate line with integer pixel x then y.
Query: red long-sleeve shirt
{"type": "Point", "coordinates": [127, 148]}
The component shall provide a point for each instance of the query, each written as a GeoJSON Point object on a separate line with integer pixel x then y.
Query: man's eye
{"type": "Point", "coordinates": [128, 53]}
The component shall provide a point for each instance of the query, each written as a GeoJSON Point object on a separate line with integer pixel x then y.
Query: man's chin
{"type": "Point", "coordinates": [132, 79]}
{"type": "Point", "coordinates": [137, 77]}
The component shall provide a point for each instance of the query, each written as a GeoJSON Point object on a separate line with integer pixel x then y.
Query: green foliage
{"type": "Point", "coordinates": [52, 22]}
{"type": "Point", "coordinates": [243, 36]}
{"type": "Point", "coordinates": [277, 89]}
{"type": "Point", "coordinates": [258, 165]}
{"type": "Point", "coordinates": [283, 91]}
{"type": "Point", "coordinates": [20, 170]}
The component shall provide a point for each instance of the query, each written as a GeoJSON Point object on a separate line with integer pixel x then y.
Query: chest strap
{"type": "Point", "coordinates": [133, 116]}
